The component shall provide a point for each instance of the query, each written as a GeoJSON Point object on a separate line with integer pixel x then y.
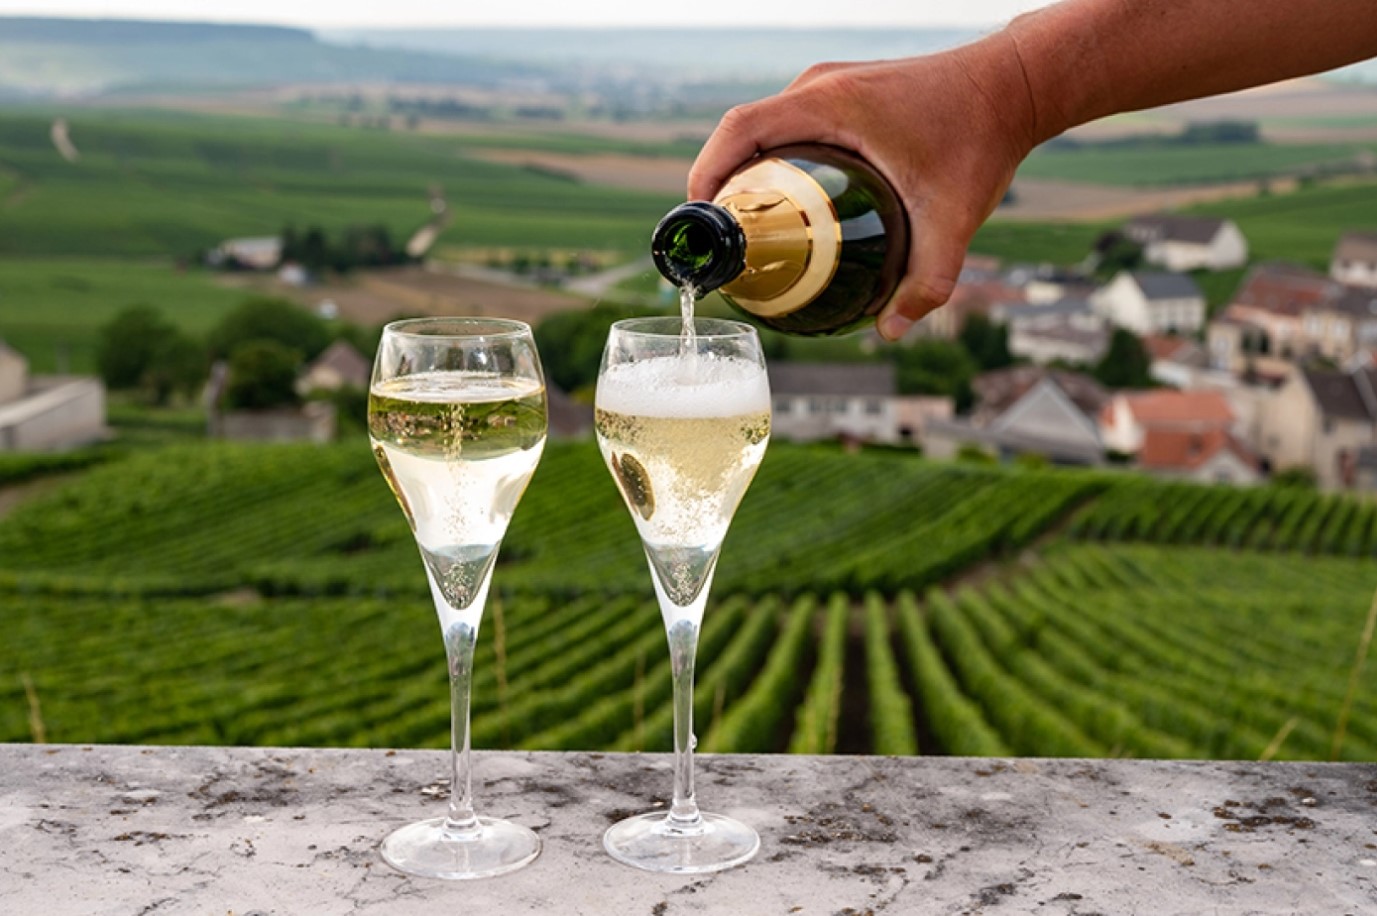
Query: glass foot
{"type": "Point", "coordinates": [650, 843]}
{"type": "Point", "coordinates": [426, 849]}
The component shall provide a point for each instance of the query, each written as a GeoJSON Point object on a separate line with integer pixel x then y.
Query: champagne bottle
{"type": "Point", "coordinates": [807, 239]}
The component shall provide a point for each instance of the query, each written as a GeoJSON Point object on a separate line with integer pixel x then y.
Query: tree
{"type": "Point", "coordinates": [932, 366]}
{"type": "Point", "coordinates": [1115, 252]}
{"type": "Point", "coordinates": [262, 373]}
{"type": "Point", "coordinates": [986, 342]}
{"type": "Point", "coordinates": [268, 318]}
{"type": "Point", "coordinates": [140, 349]}
{"type": "Point", "coordinates": [1125, 363]}
{"type": "Point", "coordinates": [571, 343]}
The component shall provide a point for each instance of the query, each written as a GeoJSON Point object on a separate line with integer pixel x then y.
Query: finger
{"type": "Point", "coordinates": [747, 130]}
{"type": "Point", "coordinates": [935, 257]}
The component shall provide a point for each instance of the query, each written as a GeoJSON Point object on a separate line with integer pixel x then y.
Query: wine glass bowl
{"type": "Point", "coordinates": [682, 416]}
{"type": "Point", "coordinates": [457, 421]}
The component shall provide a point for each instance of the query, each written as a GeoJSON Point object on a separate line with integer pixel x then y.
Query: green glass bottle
{"type": "Point", "coordinates": [806, 239]}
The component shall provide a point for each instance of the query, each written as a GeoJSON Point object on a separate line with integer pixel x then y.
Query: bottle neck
{"type": "Point", "coordinates": [699, 245]}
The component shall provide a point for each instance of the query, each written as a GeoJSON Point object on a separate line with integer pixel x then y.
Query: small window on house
{"type": "Point", "coordinates": [874, 407]}
{"type": "Point", "coordinates": [1328, 426]}
{"type": "Point", "coordinates": [816, 405]}
{"type": "Point", "coordinates": [783, 405]}
{"type": "Point", "coordinates": [839, 405]}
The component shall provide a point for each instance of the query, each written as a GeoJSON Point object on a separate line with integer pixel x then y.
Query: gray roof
{"type": "Point", "coordinates": [1021, 311]}
{"type": "Point", "coordinates": [342, 357]}
{"type": "Point", "coordinates": [1344, 395]}
{"type": "Point", "coordinates": [835, 379]}
{"type": "Point", "coordinates": [1355, 302]}
{"type": "Point", "coordinates": [1163, 226]}
{"type": "Point", "coordinates": [1356, 246]}
{"type": "Point", "coordinates": [1165, 285]}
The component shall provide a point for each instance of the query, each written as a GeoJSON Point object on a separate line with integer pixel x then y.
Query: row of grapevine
{"type": "Point", "coordinates": [1135, 664]}
{"type": "Point", "coordinates": [1133, 508]}
{"type": "Point", "coordinates": [1090, 651]}
{"type": "Point", "coordinates": [818, 718]}
{"type": "Point", "coordinates": [318, 521]}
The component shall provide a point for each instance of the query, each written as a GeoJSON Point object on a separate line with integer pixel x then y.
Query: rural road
{"type": "Point", "coordinates": [62, 140]}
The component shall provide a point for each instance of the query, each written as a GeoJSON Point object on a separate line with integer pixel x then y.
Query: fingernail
{"type": "Point", "coordinates": [894, 327]}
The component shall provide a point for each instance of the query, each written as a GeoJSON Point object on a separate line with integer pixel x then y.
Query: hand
{"type": "Point", "coordinates": [947, 130]}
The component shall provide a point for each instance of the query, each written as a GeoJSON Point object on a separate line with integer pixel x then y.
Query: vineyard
{"type": "Point", "coordinates": [272, 595]}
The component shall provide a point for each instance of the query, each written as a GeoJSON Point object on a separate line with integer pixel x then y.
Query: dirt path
{"type": "Point", "coordinates": [11, 495]}
{"type": "Point", "coordinates": [62, 140]}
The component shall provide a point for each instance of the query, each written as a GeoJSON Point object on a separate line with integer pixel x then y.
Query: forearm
{"type": "Point", "coordinates": [1085, 59]}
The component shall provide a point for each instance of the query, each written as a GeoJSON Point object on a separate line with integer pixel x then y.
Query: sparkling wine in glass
{"type": "Point", "coordinates": [457, 418]}
{"type": "Point", "coordinates": [682, 421]}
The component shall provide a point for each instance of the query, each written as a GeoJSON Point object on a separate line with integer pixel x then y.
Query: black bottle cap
{"type": "Point", "coordinates": [700, 245]}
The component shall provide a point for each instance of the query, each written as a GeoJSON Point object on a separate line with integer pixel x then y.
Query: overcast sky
{"type": "Point", "coordinates": [414, 13]}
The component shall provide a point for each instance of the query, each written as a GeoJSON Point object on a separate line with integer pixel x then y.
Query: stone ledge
{"type": "Point", "coordinates": [241, 831]}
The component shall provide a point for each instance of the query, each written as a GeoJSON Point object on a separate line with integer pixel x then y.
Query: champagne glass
{"type": "Point", "coordinates": [457, 417]}
{"type": "Point", "coordinates": [682, 419]}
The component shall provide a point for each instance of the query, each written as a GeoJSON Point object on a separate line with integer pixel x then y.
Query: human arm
{"type": "Point", "coordinates": [948, 130]}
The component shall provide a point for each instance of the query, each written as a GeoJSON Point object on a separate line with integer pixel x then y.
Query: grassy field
{"type": "Point", "coordinates": [1205, 163]}
{"type": "Point", "coordinates": [1304, 225]}
{"type": "Point", "coordinates": [162, 184]}
{"type": "Point", "coordinates": [52, 309]}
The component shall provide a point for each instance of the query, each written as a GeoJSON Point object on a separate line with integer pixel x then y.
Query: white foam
{"type": "Point", "coordinates": [675, 386]}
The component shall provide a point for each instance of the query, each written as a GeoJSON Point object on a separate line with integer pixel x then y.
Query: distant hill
{"type": "Point", "coordinates": [720, 53]}
{"type": "Point", "coordinates": [107, 31]}
{"type": "Point", "coordinates": [41, 57]}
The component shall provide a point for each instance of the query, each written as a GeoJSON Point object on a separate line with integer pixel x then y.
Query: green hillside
{"type": "Point", "coordinates": [169, 185]}
{"type": "Point", "coordinates": [88, 56]}
{"type": "Point", "coordinates": [272, 595]}
{"type": "Point", "coordinates": [1151, 164]}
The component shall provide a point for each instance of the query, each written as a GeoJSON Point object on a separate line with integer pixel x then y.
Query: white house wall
{"type": "Point", "coordinates": [64, 416]}
{"type": "Point", "coordinates": [822, 417]}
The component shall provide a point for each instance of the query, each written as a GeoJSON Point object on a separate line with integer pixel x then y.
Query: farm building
{"type": "Point", "coordinates": [48, 412]}
{"type": "Point", "coordinates": [1188, 242]}
{"type": "Point", "coordinates": [1027, 410]}
{"type": "Point", "coordinates": [1355, 259]}
{"type": "Point", "coordinates": [1151, 303]}
{"type": "Point", "coordinates": [815, 401]}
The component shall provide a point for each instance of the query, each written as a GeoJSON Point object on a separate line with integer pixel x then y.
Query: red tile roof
{"type": "Point", "coordinates": [1180, 408]}
{"type": "Point", "coordinates": [1161, 346]}
{"type": "Point", "coordinates": [1184, 450]}
{"type": "Point", "coordinates": [1285, 289]}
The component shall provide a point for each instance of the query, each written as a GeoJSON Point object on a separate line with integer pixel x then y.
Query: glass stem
{"type": "Point", "coordinates": [683, 647]}
{"type": "Point", "coordinates": [460, 640]}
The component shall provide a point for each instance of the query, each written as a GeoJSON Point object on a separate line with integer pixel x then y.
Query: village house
{"type": "Point", "coordinates": [338, 366]}
{"type": "Point", "coordinates": [821, 401]}
{"type": "Point", "coordinates": [1182, 434]}
{"type": "Point", "coordinates": [262, 253]}
{"type": "Point", "coordinates": [1264, 326]}
{"type": "Point", "coordinates": [1151, 303]}
{"type": "Point", "coordinates": [1342, 325]}
{"type": "Point", "coordinates": [1065, 329]}
{"type": "Point", "coordinates": [314, 421]}
{"type": "Point", "coordinates": [1062, 340]}
{"type": "Point", "coordinates": [1355, 259]}
{"type": "Point", "coordinates": [979, 288]}
{"type": "Point", "coordinates": [1129, 415]}
{"type": "Point", "coordinates": [47, 412]}
{"type": "Point", "coordinates": [1027, 410]}
{"type": "Point", "coordinates": [1181, 243]}
{"type": "Point", "coordinates": [1213, 456]}
{"type": "Point", "coordinates": [1044, 283]}
{"type": "Point", "coordinates": [1324, 420]}
{"type": "Point", "coordinates": [1176, 361]}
